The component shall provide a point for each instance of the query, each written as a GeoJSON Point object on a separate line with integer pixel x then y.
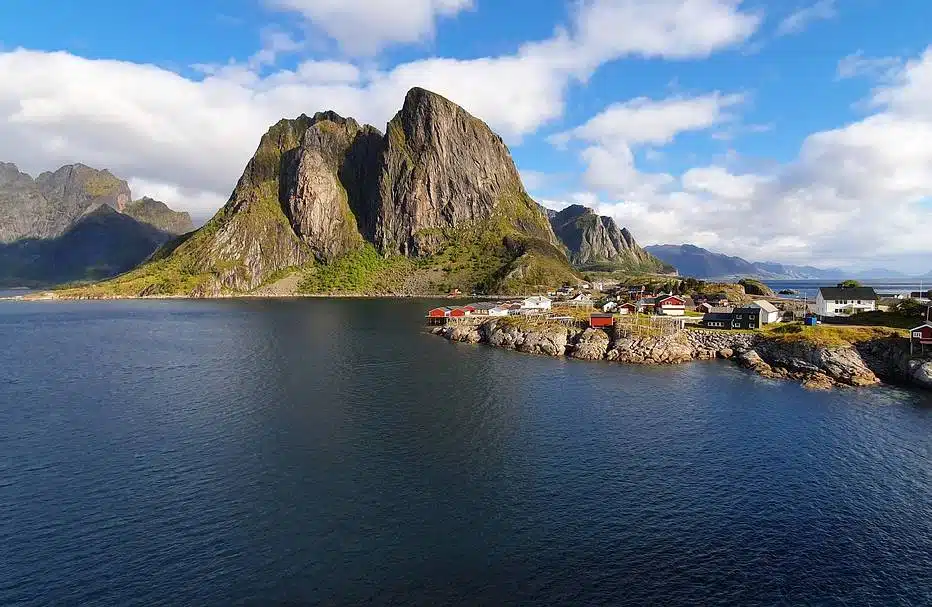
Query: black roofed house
{"type": "Point", "coordinates": [717, 320]}
{"type": "Point", "coordinates": [747, 317]}
{"type": "Point", "coordinates": [845, 301]}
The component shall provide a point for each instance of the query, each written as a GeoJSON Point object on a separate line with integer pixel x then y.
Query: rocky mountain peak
{"type": "Point", "coordinates": [445, 168]}
{"type": "Point", "coordinates": [594, 239]}
{"type": "Point", "coordinates": [159, 215]}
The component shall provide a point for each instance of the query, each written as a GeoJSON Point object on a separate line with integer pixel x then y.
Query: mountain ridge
{"type": "Point", "coordinates": [698, 262]}
{"type": "Point", "coordinates": [41, 218]}
{"type": "Point", "coordinates": [435, 202]}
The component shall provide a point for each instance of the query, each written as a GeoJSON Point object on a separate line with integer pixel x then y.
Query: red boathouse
{"type": "Point", "coordinates": [920, 337]}
{"type": "Point", "coordinates": [601, 321]}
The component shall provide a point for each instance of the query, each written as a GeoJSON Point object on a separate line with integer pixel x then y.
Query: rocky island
{"type": "Point", "coordinates": [819, 357]}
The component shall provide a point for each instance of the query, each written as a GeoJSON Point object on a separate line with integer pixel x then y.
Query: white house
{"type": "Point", "coordinates": [538, 302]}
{"type": "Point", "coordinates": [582, 300]}
{"type": "Point", "coordinates": [670, 305]}
{"type": "Point", "coordinates": [841, 301]}
{"type": "Point", "coordinates": [770, 312]}
{"type": "Point", "coordinates": [610, 306]}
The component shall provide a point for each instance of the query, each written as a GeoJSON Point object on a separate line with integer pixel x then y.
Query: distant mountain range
{"type": "Point", "coordinates": [697, 262]}
{"type": "Point", "coordinates": [76, 223]}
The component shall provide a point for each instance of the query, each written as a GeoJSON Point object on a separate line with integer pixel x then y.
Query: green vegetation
{"type": "Point", "coordinates": [102, 184]}
{"type": "Point", "coordinates": [849, 284]}
{"type": "Point", "coordinates": [360, 272]}
{"type": "Point", "coordinates": [827, 335]}
{"type": "Point", "coordinates": [755, 287]}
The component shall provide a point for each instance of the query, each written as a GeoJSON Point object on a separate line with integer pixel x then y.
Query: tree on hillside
{"type": "Point", "coordinates": [911, 308]}
{"type": "Point", "coordinates": [849, 284]}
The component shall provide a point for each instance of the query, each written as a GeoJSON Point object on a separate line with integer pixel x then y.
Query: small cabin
{"type": "Point", "coordinates": [442, 312]}
{"type": "Point", "coordinates": [601, 321]}
{"type": "Point", "coordinates": [459, 313]}
{"type": "Point", "coordinates": [627, 308]}
{"type": "Point", "coordinates": [920, 338]}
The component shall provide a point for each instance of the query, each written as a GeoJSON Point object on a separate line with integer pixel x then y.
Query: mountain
{"type": "Point", "coordinates": [701, 263]}
{"type": "Point", "coordinates": [434, 203]}
{"type": "Point", "coordinates": [76, 223]}
{"type": "Point", "coordinates": [595, 241]}
{"type": "Point", "coordinates": [158, 215]}
{"type": "Point", "coordinates": [100, 244]}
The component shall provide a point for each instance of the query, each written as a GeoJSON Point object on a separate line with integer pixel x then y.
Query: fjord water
{"type": "Point", "coordinates": [326, 451]}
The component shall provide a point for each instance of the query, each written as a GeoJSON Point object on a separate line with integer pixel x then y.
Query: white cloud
{"type": "Point", "coordinates": [645, 121]}
{"type": "Point", "coordinates": [799, 20]}
{"type": "Point", "coordinates": [364, 27]}
{"type": "Point", "coordinates": [854, 195]}
{"type": "Point", "coordinates": [155, 126]}
{"type": "Point", "coordinates": [857, 65]}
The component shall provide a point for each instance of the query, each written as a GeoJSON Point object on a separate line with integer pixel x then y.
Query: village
{"type": "Point", "coordinates": [636, 311]}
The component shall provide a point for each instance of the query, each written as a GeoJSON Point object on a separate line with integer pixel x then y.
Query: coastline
{"type": "Point", "coordinates": [816, 366]}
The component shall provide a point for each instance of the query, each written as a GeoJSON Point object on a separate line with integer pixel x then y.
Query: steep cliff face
{"type": "Point", "coordinates": [328, 180]}
{"type": "Point", "coordinates": [325, 192]}
{"type": "Point", "coordinates": [595, 239]}
{"type": "Point", "coordinates": [24, 211]}
{"type": "Point", "coordinates": [77, 189]}
{"type": "Point", "coordinates": [444, 169]}
{"type": "Point", "coordinates": [158, 215]}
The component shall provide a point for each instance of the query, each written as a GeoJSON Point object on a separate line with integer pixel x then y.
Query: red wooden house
{"type": "Point", "coordinates": [920, 337]}
{"type": "Point", "coordinates": [627, 308]}
{"type": "Point", "coordinates": [459, 312]}
{"type": "Point", "coordinates": [442, 312]}
{"type": "Point", "coordinates": [601, 320]}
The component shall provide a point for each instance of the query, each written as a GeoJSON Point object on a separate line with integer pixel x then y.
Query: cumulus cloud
{"type": "Point", "coordinates": [853, 194]}
{"type": "Point", "coordinates": [364, 27]}
{"type": "Point", "coordinates": [194, 135]}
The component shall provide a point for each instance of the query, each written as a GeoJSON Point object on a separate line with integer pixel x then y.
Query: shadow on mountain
{"type": "Point", "coordinates": [101, 244]}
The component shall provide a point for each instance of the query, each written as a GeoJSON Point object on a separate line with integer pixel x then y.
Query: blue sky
{"type": "Point", "coordinates": [772, 130]}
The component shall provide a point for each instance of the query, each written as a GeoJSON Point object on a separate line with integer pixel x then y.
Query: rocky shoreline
{"type": "Point", "coordinates": [818, 367]}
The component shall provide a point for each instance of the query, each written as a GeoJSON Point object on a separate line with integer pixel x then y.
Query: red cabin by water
{"type": "Point", "coordinates": [458, 312]}
{"type": "Point", "coordinates": [601, 320]}
{"type": "Point", "coordinates": [438, 313]}
{"type": "Point", "coordinates": [920, 338]}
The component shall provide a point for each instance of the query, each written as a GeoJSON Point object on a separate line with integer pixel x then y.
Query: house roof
{"type": "Point", "coordinates": [721, 310]}
{"type": "Point", "coordinates": [837, 293]}
{"type": "Point", "coordinates": [662, 298]}
{"type": "Point", "coordinates": [922, 326]}
{"type": "Point", "coordinates": [600, 315]}
{"type": "Point", "coordinates": [748, 310]}
{"type": "Point", "coordinates": [726, 316]}
{"type": "Point", "coordinates": [765, 305]}
{"type": "Point", "coordinates": [485, 305]}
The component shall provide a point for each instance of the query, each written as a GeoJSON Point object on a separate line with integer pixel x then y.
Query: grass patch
{"type": "Point", "coordinates": [828, 335]}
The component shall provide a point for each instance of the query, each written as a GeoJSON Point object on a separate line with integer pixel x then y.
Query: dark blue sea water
{"type": "Point", "coordinates": [329, 452]}
{"type": "Point", "coordinates": [811, 287]}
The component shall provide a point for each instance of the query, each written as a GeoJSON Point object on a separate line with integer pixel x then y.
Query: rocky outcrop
{"type": "Point", "coordinates": [592, 344]}
{"type": "Point", "coordinates": [328, 177]}
{"type": "Point", "coordinates": [596, 239]}
{"type": "Point", "coordinates": [158, 215]}
{"type": "Point", "coordinates": [816, 367]}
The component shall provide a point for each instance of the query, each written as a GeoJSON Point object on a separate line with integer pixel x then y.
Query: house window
{"type": "Point", "coordinates": [917, 333]}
